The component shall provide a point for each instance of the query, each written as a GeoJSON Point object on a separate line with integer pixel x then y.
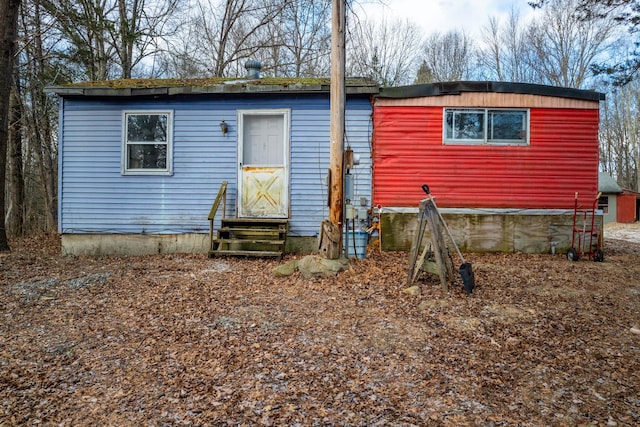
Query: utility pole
{"type": "Point", "coordinates": [331, 231]}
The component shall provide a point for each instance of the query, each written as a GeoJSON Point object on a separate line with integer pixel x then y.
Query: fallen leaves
{"type": "Point", "coordinates": [186, 340]}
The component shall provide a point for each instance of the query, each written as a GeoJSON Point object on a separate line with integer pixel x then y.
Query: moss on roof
{"type": "Point", "coordinates": [147, 83]}
{"type": "Point", "coordinates": [209, 85]}
{"type": "Point", "coordinates": [212, 81]}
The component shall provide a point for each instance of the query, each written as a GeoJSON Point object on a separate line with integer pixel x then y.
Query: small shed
{"type": "Point", "coordinates": [616, 203]}
{"type": "Point", "coordinates": [141, 161]}
{"type": "Point", "coordinates": [628, 206]}
{"type": "Point", "coordinates": [504, 161]}
{"type": "Point", "coordinates": [609, 196]}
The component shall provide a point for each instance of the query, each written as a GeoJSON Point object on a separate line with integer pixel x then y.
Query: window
{"type": "Point", "coordinates": [603, 204]}
{"type": "Point", "coordinates": [147, 142]}
{"type": "Point", "coordinates": [485, 126]}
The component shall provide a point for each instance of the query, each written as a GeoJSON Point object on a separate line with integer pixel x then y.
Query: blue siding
{"type": "Point", "coordinates": [96, 198]}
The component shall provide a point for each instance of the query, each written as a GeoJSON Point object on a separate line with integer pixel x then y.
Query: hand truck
{"type": "Point", "coordinates": [585, 236]}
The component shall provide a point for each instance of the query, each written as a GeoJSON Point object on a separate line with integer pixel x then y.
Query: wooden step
{"type": "Point", "coordinates": [247, 240]}
{"type": "Point", "coordinates": [254, 223]}
{"type": "Point", "coordinates": [255, 220]}
{"type": "Point", "coordinates": [226, 252]}
{"type": "Point", "coordinates": [250, 230]}
{"type": "Point", "coordinates": [260, 237]}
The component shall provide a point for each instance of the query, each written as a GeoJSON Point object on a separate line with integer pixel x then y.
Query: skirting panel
{"type": "Point", "coordinates": [133, 244]}
{"type": "Point", "coordinates": [499, 232]}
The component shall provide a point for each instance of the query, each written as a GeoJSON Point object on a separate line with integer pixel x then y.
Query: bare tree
{"type": "Point", "coordinates": [83, 30]}
{"type": "Point", "coordinates": [310, 38]}
{"type": "Point", "coordinates": [140, 25]}
{"type": "Point", "coordinates": [625, 13]}
{"type": "Point", "coordinates": [386, 51]}
{"type": "Point", "coordinates": [16, 189]}
{"type": "Point", "coordinates": [290, 38]}
{"type": "Point", "coordinates": [300, 40]}
{"type": "Point", "coordinates": [274, 57]}
{"type": "Point", "coordinates": [446, 57]}
{"type": "Point", "coordinates": [39, 66]}
{"type": "Point", "coordinates": [505, 49]}
{"type": "Point", "coordinates": [620, 135]}
{"type": "Point", "coordinates": [109, 38]}
{"type": "Point", "coordinates": [564, 45]}
{"type": "Point", "coordinates": [179, 58]}
{"type": "Point", "coordinates": [232, 31]}
{"type": "Point", "coordinates": [490, 56]}
{"type": "Point", "coordinates": [8, 34]}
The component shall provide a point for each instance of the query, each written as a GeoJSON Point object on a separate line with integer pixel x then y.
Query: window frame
{"type": "Point", "coordinates": [125, 170]}
{"type": "Point", "coordinates": [485, 125]}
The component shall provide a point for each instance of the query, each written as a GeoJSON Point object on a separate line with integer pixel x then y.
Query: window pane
{"type": "Point", "coordinates": [146, 127]}
{"type": "Point", "coordinates": [263, 139]}
{"type": "Point", "coordinates": [465, 125]}
{"type": "Point", "coordinates": [507, 125]}
{"type": "Point", "coordinates": [147, 156]}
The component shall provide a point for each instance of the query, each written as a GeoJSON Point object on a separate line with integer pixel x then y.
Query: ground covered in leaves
{"type": "Point", "coordinates": [187, 340]}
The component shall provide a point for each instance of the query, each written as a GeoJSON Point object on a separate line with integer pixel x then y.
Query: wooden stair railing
{"type": "Point", "coordinates": [221, 197]}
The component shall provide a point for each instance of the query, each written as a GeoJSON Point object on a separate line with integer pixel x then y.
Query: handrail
{"type": "Point", "coordinates": [222, 196]}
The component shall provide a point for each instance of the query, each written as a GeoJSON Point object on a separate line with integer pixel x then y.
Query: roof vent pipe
{"type": "Point", "coordinates": [253, 69]}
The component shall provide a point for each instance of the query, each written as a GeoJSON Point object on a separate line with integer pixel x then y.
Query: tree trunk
{"type": "Point", "coordinates": [128, 26]}
{"type": "Point", "coordinates": [637, 159]}
{"type": "Point", "coordinates": [44, 139]}
{"type": "Point", "coordinates": [8, 34]}
{"type": "Point", "coordinates": [16, 217]}
{"type": "Point", "coordinates": [44, 159]}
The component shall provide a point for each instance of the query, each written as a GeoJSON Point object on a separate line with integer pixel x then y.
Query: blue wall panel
{"type": "Point", "coordinates": [96, 198]}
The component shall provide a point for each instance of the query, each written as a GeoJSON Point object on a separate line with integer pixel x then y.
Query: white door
{"type": "Point", "coordinates": [263, 150]}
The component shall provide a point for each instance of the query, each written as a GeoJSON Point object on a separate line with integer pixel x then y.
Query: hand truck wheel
{"type": "Point", "coordinates": [599, 255]}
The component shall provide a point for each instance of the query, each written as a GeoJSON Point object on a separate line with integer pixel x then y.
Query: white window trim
{"type": "Point", "coordinates": [484, 141]}
{"type": "Point", "coordinates": [123, 162]}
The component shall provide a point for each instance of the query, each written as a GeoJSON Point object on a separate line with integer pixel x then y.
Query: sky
{"type": "Point", "coordinates": [445, 15]}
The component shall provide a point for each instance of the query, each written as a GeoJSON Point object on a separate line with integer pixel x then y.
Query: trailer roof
{"type": "Point", "coordinates": [455, 88]}
{"type": "Point", "coordinates": [169, 87]}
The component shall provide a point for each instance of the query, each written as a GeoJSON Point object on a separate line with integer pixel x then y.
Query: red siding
{"type": "Point", "coordinates": [626, 207]}
{"type": "Point", "coordinates": [562, 158]}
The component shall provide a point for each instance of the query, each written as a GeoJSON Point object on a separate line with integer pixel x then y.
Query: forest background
{"type": "Point", "coordinates": [584, 44]}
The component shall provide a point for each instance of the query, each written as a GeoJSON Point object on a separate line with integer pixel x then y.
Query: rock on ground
{"type": "Point", "coordinates": [316, 266]}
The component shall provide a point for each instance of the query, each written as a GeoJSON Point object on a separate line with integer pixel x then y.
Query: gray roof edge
{"type": "Point", "coordinates": [458, 87]}
{"type": "Point", "coordinates": [200, 90]}
{"type": "Point", "coordinates": [607, 185]}
{"type": "Point", "coordinates": [64, 90]}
